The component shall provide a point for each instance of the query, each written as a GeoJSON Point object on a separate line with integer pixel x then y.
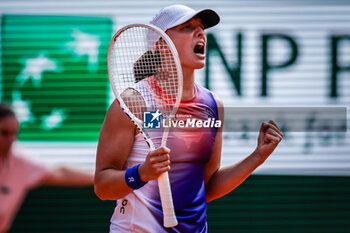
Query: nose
{"type": "Point", "coordinates": [200, 32]}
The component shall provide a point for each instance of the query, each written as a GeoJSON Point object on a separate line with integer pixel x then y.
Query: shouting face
{"type": "Point", "coordinates": [190, 41]}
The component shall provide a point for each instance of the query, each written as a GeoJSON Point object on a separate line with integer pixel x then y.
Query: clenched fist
{"type": "Point", "coordinates": [157, 162]}
{"type": "Point", "coordinates": [269, 137]}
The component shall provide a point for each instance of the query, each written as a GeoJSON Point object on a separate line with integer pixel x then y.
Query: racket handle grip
{"type": "Point", "coordinates": [167, 200]}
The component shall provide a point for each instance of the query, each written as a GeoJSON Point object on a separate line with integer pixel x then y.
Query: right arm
{"type": "Point", "coordinates": [115, 143]}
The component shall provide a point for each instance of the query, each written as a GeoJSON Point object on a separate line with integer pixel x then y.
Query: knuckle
{"type": "Point", "coordinates": [153, 154]}
{"type": "Point", "coordinates": [165, 150]}
{"type": "Point", "coordinates": [153, 166]}
{"type": "Point", "coordinates": [152, 161]}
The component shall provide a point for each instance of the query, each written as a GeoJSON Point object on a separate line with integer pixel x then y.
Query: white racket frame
{"type": "Point", "coordinates": [163, 180]}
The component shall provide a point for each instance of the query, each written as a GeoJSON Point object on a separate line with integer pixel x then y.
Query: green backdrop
{"type": "Point", "coordinates": [261, 204]}
{"type": "Point", "coordinates": [54, 72]}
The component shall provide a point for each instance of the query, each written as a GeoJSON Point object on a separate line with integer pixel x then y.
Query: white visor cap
{"type": "Point", "coordinates": [175, 15]}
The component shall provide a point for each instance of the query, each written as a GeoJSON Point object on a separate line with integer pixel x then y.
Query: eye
{"type": "Point", "coordinates": [4, 133]}
{"type": "Point", "coordinates": [187, 27]}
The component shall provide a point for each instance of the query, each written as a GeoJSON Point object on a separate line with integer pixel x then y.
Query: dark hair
{"type": "Point", "coordinates": [6, 110]}
{"type": "Point", "coordinates": [147, 65]}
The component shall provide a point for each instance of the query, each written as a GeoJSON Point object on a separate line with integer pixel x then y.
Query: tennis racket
{"type": "Point", "coordinates": [145, 73]}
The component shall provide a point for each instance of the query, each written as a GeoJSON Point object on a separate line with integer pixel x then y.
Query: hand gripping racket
{"type": "Point", "coordinates": [145, 73]}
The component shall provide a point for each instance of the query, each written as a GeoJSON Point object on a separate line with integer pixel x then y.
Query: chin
{"type": "Point", "coordinates": [199, 65]}
{"type": "Point", "coordinates": [194, 64]}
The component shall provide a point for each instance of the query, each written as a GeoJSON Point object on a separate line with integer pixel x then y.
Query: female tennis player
{"type": "Point", "coordinates": [192, 157]}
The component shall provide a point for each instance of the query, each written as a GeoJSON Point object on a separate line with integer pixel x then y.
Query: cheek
{"type": "Point", "coordinates": [178, 47]}
{"type": "Point", "coordinates": [182, 44]}
{"type": "Point", "coordinates": [184, 50]}
{"type": "Point", "coordinates": [3, 144]}
{"type": "Point", "coordinates": [181, 53]}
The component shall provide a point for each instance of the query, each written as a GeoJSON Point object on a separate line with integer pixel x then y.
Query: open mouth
{"type": "Point", "coordinates": [199, 49]}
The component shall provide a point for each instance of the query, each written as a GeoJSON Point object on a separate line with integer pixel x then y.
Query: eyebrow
{"type": "Point", "coordinates": [194, 21]}
{"type": "Point", "coordinates": [199, 20]}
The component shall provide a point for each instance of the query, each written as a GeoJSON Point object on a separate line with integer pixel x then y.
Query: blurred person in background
{"type": "Point", "coordinates": [19, 174]}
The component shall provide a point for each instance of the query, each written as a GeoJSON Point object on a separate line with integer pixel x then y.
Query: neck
{"type": "Point", "coordinates": [188, 83]}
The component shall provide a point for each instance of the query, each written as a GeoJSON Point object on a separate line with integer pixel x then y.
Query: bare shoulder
{"type": "Point", "coordinates": [133, 96]}
{"type": "Point", "coordinates": [218, 100]}
{"type": "Point", "coordinates": [116, 119]}
{"type": "Point", "coordinates": [134, 101]}
{"type": "Point", "coordinates": [130, 92]}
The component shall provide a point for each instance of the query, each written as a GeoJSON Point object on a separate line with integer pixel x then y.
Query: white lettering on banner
{"type": "Point", "coordinates": [192, 123]}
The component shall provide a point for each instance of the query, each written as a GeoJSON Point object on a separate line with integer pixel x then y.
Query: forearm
{"type": "Point", "coordinates": [110, 184]}
{"type": "Point", "coordinates": [224, 180]}
{"type": "Point", "coordinates": [68, 176]}
{"type": "Point", "coordinates": [228, 178]}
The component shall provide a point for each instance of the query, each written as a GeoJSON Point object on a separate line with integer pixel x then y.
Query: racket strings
{"type": "Point", "coordinates": [148, 68]}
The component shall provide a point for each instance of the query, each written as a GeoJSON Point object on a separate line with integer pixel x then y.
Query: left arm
{"type": "Point", "coordinates": [220, 181]}
{"type": "Point", "coordinates": [68, 176]}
